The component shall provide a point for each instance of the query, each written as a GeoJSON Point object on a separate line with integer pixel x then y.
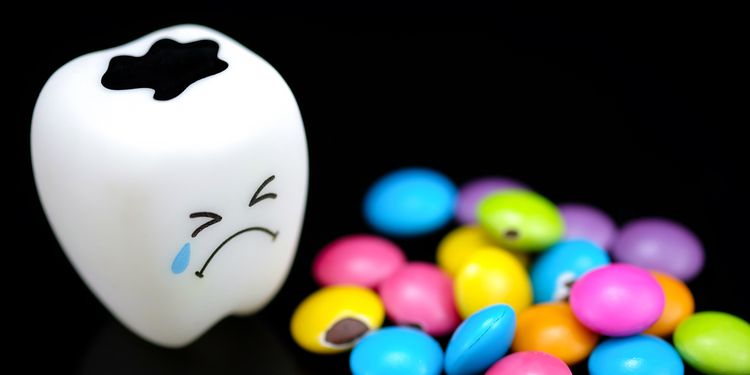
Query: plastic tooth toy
{"type": "Point", "coordinates": [173, 171]}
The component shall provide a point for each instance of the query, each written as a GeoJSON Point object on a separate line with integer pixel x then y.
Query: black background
{"type": "Point", "coordinates": [637, 111]}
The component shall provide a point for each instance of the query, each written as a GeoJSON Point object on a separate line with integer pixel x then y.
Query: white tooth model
{"type": "Point", "coordinates": [173, 171]}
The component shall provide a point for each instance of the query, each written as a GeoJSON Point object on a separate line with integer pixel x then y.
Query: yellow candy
{"type": "Point", "coordinates": [489, 276]}
{"type": "Point", "coordinates": [332, 319]}
{"type": "Point", "coordinates": [462, 242]}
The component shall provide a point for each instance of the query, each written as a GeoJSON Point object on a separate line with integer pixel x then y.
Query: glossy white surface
{"type": "Point", "coordinates": [119, 173]}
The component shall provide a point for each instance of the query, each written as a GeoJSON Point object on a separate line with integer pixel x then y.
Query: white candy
{"type": "Point", "coordinates": [126, 180]}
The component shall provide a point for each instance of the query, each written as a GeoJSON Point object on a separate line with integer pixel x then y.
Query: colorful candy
{"type": "Point", "coordinates": [472, 192]}
{"type": "Point", "coordinates": [662, 245]}
{"type": "Point", "coordinates": [421, 294]}
{"type": "Point", "coordinates": [463, 241]}
{"type": "Point", "coordinates": [715, 343]}
{"type": "Point", "coordinates": [584, 222]}
{"type": "Point", "coordinates": [488, 277]}
{"type": "Point", "coordinates": [521, 220]}
{"type": "Point", "coordinates": [617, 300]}
{"type": "Point", "coordinates": [678, 305]}
{"type": "Point", "coordinates": [397, 351]}
{"type": "Point", "coordinates": [557, 268]}
{"type": "Point", "coordinates": [410, 202]}
{"type": "Point", "coordinates": [529, 363]}
{"type": "Point", "coordinates": [332, 319]}
{"type": "Point", "coordinates": [360, 259]}
{"type": "Point", "coordinates": [635, 355]}
{"type": "Point", "coordinates": [552, 328]}
{"type": "Point", "coordinates": [480, 340]}
{"type": "Point", "coordinates": [458, 245]}
{"type": "Point", "coordinates": [482, 278]}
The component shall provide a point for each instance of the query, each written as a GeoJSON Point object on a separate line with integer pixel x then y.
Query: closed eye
{"type": "Point", "coordinates": [257, 197]}
{"type": "Point", "coordinates": [215, 218]}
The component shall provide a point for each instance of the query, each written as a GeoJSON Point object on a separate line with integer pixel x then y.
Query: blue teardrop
{"type": "Point", "coordinates": [182, 259]}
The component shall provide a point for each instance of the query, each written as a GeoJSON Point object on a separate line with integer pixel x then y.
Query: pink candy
{"type": "Point", "coordinates": [422, 294]}
{"type": "Point", "coordinates": [529, 363]}
{"type": "Point", "coordinates": [358, 259]}
{"type": "Point", "coordinates": [617, 300]}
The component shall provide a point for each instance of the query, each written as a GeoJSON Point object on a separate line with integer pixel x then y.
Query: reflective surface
{"type": "Point", "coordinates": [235, 346]}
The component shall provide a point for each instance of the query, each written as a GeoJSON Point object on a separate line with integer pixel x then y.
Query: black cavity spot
{"type": "Point", "coordinates": [168, 68]}
{"type": "Point", "coordinates": [511, 234]}
{"type": "Point", "coordinates": [346, 331]}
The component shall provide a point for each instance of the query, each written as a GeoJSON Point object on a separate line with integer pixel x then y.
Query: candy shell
{"type": "Point", "coordinates": [421, 294]}
{"type": "Point", "coordinates": [617, 300]}
{"type": "Point", "coordinates": [557, 268]}
{"type": "Point", "coordinates": [481, 340]}
{"type": "Point", "coordinates": [472, 192]}
{"type": "Point", "coordinates": [458, 245]}
{"type": "Point", "coordinates": [552, 328]}
{"type": "Point", "coordinates": [661, 245]}
{"type": "Point", "coordinates": [635, 355]}
{"type": "Point", "coordinates": [521, 220]}
{"type": "Point", "coordinates": [584, 222]}
{"type": "Point", "coordinates": [529, 363]}
{"type": "Point", "coordinates": [410, 202]}
{"type": "Point", "coordinates": [678, 305]}
{"type": "Point", "coordinates": [715, 343]}
{"type": "Point", "coordinates": [396, 351]}
{"type": "Point", "coordinates": [334, 318]}
{"type": "Point", "coordinates": [491, 276]}
{"type": "Point", "coordinates": [359, 259]}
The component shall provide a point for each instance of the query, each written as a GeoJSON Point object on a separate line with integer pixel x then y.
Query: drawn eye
{"type": "Point", "coordinates": [257, 197]}
{"type": "Point", "coordinates": [215, 218]}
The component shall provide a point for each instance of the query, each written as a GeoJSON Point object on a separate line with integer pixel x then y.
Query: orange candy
{"type": "Point", "coordinates": [678, 305]}
{"type": "Point", "coordinates": [552, 328]}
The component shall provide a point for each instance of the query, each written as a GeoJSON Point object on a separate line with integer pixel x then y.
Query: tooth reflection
{"type": "Point", "coordinates": [234, 346]}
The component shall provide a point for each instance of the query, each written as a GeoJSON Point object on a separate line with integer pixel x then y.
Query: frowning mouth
{"type": "Point", "coordinates": [250, 229]}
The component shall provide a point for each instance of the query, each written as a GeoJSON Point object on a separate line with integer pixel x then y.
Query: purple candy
{"type": "Point", "coordinates": [473, 191]}
{"type": "Point", "coordinates": [661, 245]}
{"type": "Point", "coordinates": [584, 222]}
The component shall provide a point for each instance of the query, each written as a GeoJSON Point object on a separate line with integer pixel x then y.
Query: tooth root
{"type": "Point", "coordinates": [121, 161]}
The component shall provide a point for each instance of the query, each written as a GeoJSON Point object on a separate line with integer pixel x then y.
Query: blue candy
{"type": "Point", "coordinates": [481, 340]}
{"type": "Point", "coordinates": [635, 355]}
{"type": "Point", "coordinates": [410, 202]}
{"type": "Point", "coordinates": [562, 264]}
{"type": "Point", "coordinates": [397, 351]}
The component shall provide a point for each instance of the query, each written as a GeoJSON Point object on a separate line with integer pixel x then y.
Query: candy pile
{"type": "Point", "coordinates": [491, 297]}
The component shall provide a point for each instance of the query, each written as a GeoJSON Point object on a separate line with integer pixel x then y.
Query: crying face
{"type": "Point", "coordinates": [182, 259]}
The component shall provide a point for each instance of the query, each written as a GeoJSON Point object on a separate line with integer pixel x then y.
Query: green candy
{"type": "Point", "coordinates": [521, 220]}
{"type": "Point", "coordinates": [715, 343]}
